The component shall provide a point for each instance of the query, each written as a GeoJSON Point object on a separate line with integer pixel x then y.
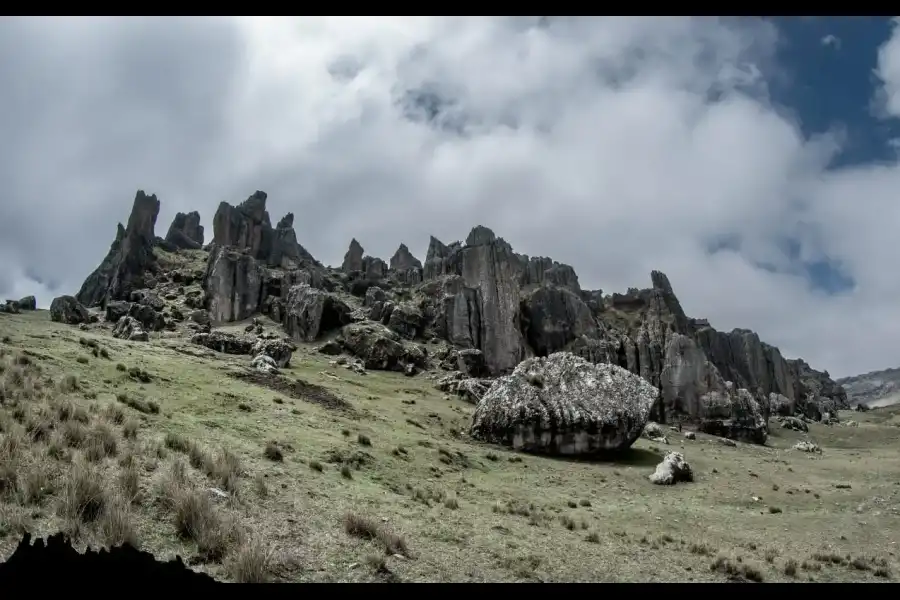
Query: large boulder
{"type": "Point", "coordinates": [226, 343]}
{"type": "Point", "coordinates": [130, 260]}
{"type": "Point", "coordinates": [27, 303]}
{"type": "Point", "coordinates": [309, 313]}
{"type": "Point", "coordinates": [407, 320]}
{"type": "Point", "coordinates": [379, 348]}
{"type": "Point", "coordinates": [66, 309]}
{"type": "Point", "coordinates": [562, 404]}
{"type": "Point", "coordinates": [129, 328]}
{"type": "Point", "coordinates": [186, 232]}
{"type": "Point", "coordinates": [734, 414]}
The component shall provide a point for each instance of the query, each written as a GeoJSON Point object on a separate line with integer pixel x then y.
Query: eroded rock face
{"type": "Point", "coordinates": [130, 259]}
{"type": "Point", "coordinates": [233, 285]}
{"type": "Point", "coordinates": [553, 317]}
{"type": "Point", "coordinates": [66, 309]}
{"type": "Point", "coordinates": [309, 313]}
{"type": "Point", "coordinates": [353, 259]}
{"type": "Point", "coordinates": [186, 232]}
{"type": "Point", "coordinates": [562, 404]}
{"type": "Point", "coordinates": [403, 260]}
{"type": "Point", "coordinates": [245, 227]}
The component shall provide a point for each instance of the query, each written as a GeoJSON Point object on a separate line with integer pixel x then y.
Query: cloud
{"type": "Point", "coordinates": [831, 40]}
{"type": "Point", "coordinates": [615, 145]}
{"type": "Point", "coordinates": [888, 71]}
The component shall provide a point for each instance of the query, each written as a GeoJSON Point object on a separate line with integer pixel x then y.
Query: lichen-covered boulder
{"type": "Point", "coordinates": [129, 328]}
{"type": "Point", "coordinates": [562, 404]}
{"type": "Point", "coordinates": [671, 470]}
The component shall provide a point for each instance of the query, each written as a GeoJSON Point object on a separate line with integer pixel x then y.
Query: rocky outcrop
{"type": "Point", "coordinates": [245, 227]}
{"type": "Point", "coordinates": [186, 232]}
{"type": "Point", "coordinates": [353, 259]}
{"type": "Point", "coordinates": [233, 285]}
{"type": "Point", "coordinates": [66, 309]}
{"type": "Point", "coordinates": [130, 259]}
{"type": "Point", "coordinates": [286, 252]}
{"type": "Point", "coordinates": [554, 317]}
{"type": "Point", "coordinates": [379, 348]}
{"type": "Point", "coordinates": [734, 414]}
{"type": "Point", "coordinates": [403, 260]}
{"type": "Point", "coordinates": [562, 404]}
{"type": "Point", "coordinates": [309, 313]}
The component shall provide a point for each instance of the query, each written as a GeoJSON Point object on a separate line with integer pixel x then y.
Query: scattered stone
{"type": "Point", "coordinates": [690, 435]}
{"type": "Point", "coordinates": [794, 424]}
{"type": "Point", "coordinates": [805, 446]}
{"type": "Point", "coordinates": [727, 442]}
{"type": "Point", "coordinates": [671, 470]}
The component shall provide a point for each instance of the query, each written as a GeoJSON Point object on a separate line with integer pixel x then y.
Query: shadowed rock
{"type": "Point", "coordinates": [233, 285]}
{"type": "Point", "coordinates": [130, 258]}
{"type": "Point", "coordinates": [309, 313]}
{"type": "Point", "coordinates": [186, 232]}
{"type": "Point", "coordinates": [353, 259]}
{"type": "Point", "coordinates": [403, 260]}
{"type": "Point", "coordinates": [562, 404]}
{"type": "Point", "coordinates": [66, 309]}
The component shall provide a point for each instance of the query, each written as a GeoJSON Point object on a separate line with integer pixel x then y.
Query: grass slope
{"type": "Point", "coordinates": [252, 484]}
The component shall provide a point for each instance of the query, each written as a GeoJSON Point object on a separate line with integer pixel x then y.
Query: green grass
{"type": "Point", "coordinates": [462, 510]}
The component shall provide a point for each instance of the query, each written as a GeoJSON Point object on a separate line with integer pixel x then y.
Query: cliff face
{"type": "Point", "coordinates": [477, 296]}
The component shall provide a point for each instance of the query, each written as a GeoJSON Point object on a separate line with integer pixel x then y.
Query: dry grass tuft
{"type": "Point", "coordinates": [250, 564]}
{"type": "Point", "coordinates": [83, 497]}
{"type": "Point", "coordinates": [366, 528]}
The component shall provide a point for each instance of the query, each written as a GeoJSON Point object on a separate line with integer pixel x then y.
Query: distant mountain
{"type": "Point", "coordinates": [875, 389]}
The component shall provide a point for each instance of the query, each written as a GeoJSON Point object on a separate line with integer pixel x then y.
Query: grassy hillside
{"type": "Point", "coordinates": [338, 476]}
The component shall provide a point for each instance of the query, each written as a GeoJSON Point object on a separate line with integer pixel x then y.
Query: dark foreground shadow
{"type": "Point", "coordinates": [56, 561]}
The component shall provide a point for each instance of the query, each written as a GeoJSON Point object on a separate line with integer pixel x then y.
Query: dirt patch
{"type": "Point", "coordinates": [298, 389]}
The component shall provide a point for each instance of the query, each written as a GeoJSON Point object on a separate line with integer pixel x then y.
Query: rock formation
{"type": "Point", "coordinates": [872, 390]}
{"type": "Point", "coordinates": [562, 404]}
{"type": "Point", "coordinates": [484, 308]}
{"type": "Point", "coordinates": [186, 232]}
{"type": "Point", "coordinates": [130, 258]}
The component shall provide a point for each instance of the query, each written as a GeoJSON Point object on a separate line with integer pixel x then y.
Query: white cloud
{"type": "Point", "coordinates": [888, 71]}
{"type": "Point", "coordinates": [831, 40]}
{"type": "Point", "coordinates": [615, 145]}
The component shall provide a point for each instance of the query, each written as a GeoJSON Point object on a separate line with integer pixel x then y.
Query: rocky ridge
{"type": "Point", "coordinates": [475, 308]}
{"type": "Point", "coordinates": [873, 390]}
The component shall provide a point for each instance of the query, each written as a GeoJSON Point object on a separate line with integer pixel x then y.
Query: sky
{"type": "Point", "coordinates": [754, 161]}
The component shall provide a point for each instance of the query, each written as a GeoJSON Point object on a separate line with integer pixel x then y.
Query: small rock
{"type": "Point", "coordinates": [671, 470]}
{"type": "Point", "coordinates": [805, 446]}
{"type": "Point", "coordinates": [690, 435]}
{"type": "Point", "coordinates": [727, 442]}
